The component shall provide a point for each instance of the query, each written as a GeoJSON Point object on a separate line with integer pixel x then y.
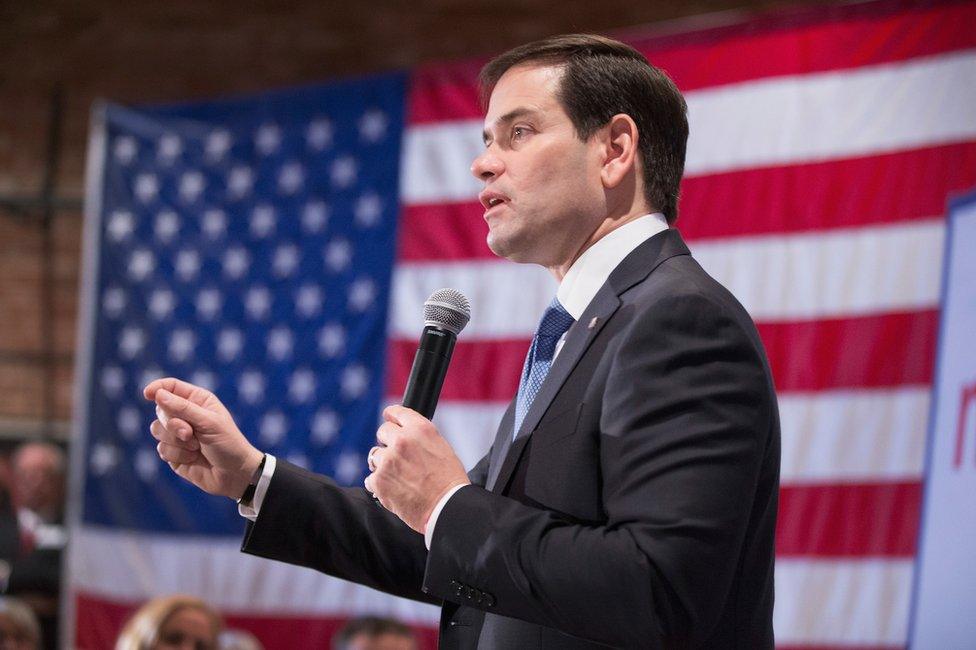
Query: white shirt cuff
{"type": "Point", "coordinates": [251, 510]}
{"type": "Point", "coordinates": [432, 520]}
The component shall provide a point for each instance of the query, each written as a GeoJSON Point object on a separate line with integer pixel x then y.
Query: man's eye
{"type": "Point", "coordinates": [519, 132]}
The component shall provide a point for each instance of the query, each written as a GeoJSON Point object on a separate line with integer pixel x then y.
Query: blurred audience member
{"type": "Point", "coordinates": [237, 640]}
{"type": "Point", "coordinates": [19, 629]}
{"type": "Point", "coordinates": [374, 633]}
{"type": "Point", "coordinates": [172, 623]}
{"type": "Point", "coordinates": [32, 535]}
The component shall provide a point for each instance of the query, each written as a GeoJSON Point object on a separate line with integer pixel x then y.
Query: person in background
{"type": "Point", "coordinates": [172, 623]}
{"type": "Point", "coordinates": [33, 536]}
{"type": "Point", "coordinates": [19, 629]}
{"type": "Point", "coordinates": [374, 633]}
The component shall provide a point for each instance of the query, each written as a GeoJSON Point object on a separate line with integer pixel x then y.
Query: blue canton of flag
{"type": "Point", "coordinates": [246, 246]}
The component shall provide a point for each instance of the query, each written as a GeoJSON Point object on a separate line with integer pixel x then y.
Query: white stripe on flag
{"type": "Point", "coordinates": [863, 434]}
{"type": "Point", "coordinates": [779, 121]}
{"type": "Point", "coordinates": [842, 602]}
{"type": "Point", "coordinates": [830, 115]}
{"type": "Point", "coordinates": [828, 437]}
{"type": "Point", "coordinates": [836, 273]}
{"type": "Point", "coordinates": [817, 601]}
{"type": "Point", "coordinates": [132, 567]}
{"type": "Point", "coordinates": [848, 272]}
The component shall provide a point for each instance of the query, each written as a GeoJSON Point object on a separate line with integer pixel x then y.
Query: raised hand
{"type": "Point", "coordinates": [199, 439]}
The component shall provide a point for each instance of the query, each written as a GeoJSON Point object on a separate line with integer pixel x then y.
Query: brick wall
{"type": "Point", "coordinates": [180, 49]}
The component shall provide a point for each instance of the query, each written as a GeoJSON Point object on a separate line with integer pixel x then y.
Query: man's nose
{"type": "Point", "coordinates": [487, 165]}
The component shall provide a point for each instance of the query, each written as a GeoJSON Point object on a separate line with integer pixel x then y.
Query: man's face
{"type": "Point", "coordinates": [543, 193]}
{"type": "Point", "coordinates": [37, 484]}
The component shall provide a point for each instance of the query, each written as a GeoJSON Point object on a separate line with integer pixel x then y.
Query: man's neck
{"type": "Point", "coordinates": [603, 229]}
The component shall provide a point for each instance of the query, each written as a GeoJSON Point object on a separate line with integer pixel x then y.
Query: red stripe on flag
{"type": "Point", "coordinates": [496, 364]}
{"type": "Point", "coordinates": [833, 39]}
{"type": "Point", "coordinates": [99, 621]}
{"type": "Point", "coordinates": [848, 520]}
{"type": "Point", "coordinates": [890, 188]}
{"type": "Point", "coordinates": [893, 349]}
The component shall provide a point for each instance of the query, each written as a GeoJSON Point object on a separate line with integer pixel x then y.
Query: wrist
{"type": "Point", "coordinates": [249, 474]}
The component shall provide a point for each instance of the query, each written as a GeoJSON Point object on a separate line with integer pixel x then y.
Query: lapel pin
{"type": "Point", "coordinates": [593, 322]}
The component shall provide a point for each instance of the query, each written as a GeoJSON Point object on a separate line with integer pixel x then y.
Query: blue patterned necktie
{"type": "Point", "coordinates": [553, 325]}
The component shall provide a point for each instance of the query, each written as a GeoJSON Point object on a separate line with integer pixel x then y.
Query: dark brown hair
{"type": "Point", "coordinates": [602, 78]}
{"type": "Point", "coordinates": [372, 627]}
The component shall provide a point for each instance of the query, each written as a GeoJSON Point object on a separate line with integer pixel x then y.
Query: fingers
{"type": "Point", "coordinates": [174, 405]}
{"type": "Point", "coordinates": [178, 434]}
{"type": "Point", "coordinates": [386, 433]}
{"type": "Point", "coordinates": [176, 386]}
{"type": "Point", "coordinates": [373, 458]}
{"type": "Point", "coordinates": [178, 455]}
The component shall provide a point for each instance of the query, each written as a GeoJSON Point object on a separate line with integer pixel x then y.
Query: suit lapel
{"type": "Point", "coordinates": [633, 269]}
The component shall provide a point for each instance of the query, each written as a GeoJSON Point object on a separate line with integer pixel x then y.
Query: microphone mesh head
{"type": "Point", "coordinates": [447, 309]}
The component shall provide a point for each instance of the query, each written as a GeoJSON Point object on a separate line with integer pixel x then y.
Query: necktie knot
{"type": "Point", "coordinates": [555, 321]}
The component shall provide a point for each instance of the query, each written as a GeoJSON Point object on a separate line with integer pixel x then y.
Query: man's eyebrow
{"type": "Point", "coordinates": [507, 118]}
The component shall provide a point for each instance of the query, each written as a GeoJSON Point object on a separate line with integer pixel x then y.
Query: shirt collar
{"type": "Point", "coordinates": [591, 270]}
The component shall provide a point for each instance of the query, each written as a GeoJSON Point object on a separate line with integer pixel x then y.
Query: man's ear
{"type": "Point", "coordinates": [620, 150]}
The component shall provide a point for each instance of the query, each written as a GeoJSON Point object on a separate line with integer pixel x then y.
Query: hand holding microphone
{"type": "Point", "coordinates": [413, 465]}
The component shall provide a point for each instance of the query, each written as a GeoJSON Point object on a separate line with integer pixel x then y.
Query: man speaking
{"type": "Point", "coordinates": [629, 497]}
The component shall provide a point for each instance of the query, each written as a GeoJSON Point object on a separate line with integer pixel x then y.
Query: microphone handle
{"type": "Point", "coordinates": [429, 369]}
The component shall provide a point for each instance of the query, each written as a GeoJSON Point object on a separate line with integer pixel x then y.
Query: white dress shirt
{"type": "Point", "coordinates": [580, 284]}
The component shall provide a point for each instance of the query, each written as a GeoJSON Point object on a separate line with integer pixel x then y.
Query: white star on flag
{"type": "Point", "coordinates": [368, 210]}
{"type": "Point", "coordinates": [349, 467]}
{"type": "Point", "coordinates": [285, 261]}
{"type": "Point", "coordinates": [113, 381]}
{"type": "Point", "coordinates": [217, 145]}
{"type": "Point", "coordinates": [229, 343]}
{"type": "Point", "coordinates": [182, 343]}
{"type": "Point", "coordinates": [147, 187]}
{"type": "Point", "coordinates": [280, 343]}
{"type": "Point", "coordinates": [161, 303]}
{"type": "Point", "coordinates": [114, 300]}
{"type": "Point", "coordinates": [167, 225]}
{"type": "Point", "coordinates": [104, 458]}
{"type": "Point", "coordinates": [142, 263]}
{"type": "Point", "coordinates": [308, 300]}
{"type": "Point", "coordinates": [257, 302]}
{"type": "Point", "coordinates": [362, 292]}
{"type": "Point", "coordinates": [236, 262]}
{"type": "Point", "coordinates": [338, 255]}
{"type": "Point", "coordinates": [344, 171]}
{"type": "Point", "coordinates": [120, 225]}
{"type": "Point", "coordinates": [204, 379]}
{"type": "Point", "coordinates": [372, 126]}
{"type": "Point", "coordinates": [209, 301]}
{"type": "Point", "coordinates": [268, 139]}
{"type": "Point", "coordinates": [332, 340]}
{"type": "Point", "coordinates": [129, 422]}
{"type": "Point", "coordinates": [291, 178]}
{"type": "Point", "coordinates": [251, 386]}
{"type": "Point", "coordinates": [125, 149]}
{"type": "Point", "coordinates": [273, 427]}
{"type": "Point", "coordinates": [325, 426]}
{"type": "Point", "coordinates": [169, 148]}
{"type": "Point", "coordinates": [315, 217]}
{"type": "Point", "coordinates": [240, 181]}
{"type": "Point", "coordinates": [301, 387]}
{"type": "Point", "coordinates": [355, 381]}
{"type": "Point", "coordinates": [214, 223]}
{"type": "Point", "coordinates": [187, 264]}
{"type": "Point", "coordinates": [263, 219]}
{"type": "Point", "coordinates": [318, 136]}
{"type": "Point", "coordinates": [131, 342]}
{"type": "Point", "coordinates": [147, 464]}
{"type": "Point", "coordinates": [192, 184]}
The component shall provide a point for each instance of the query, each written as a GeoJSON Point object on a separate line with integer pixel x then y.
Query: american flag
{"type": "Point", "coordinates": [278, 248]}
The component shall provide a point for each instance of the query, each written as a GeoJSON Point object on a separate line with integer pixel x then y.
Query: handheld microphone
{"type": "Point", "coordinates": [446, 313]}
